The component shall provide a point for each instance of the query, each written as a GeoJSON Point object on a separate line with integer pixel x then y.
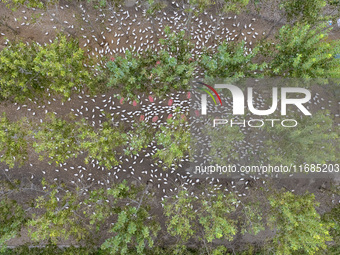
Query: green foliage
{"type": "Point", "coordinates": [13, 141]}
{"type": "Point", "coordinates": [174, 137]}
{"type": "Point", "coordinates": [205, 218]}
{"type": "Point", "coordinates": [302, 51]}
{"type": "Point", "coordinates": [15, 4]}
{"type": "Point", "coordinates": [153, 6]}
{"type": "Point", "coordinates": [29, 70]}
{"type": "Point", "coordinates": [63, 139]}
{"type": "Point", "coordinates": [298, 225]}
{"type": "Point", "coordinates": [304, 10]}
{"type": "Point", "coordinates": [101, 144]}
{"type": "Point", "coordinates": [181, 215]}
{"type": "Point", "coordinates": [308, 11]}
{"type": "Point", "coordinates": [214, 216]}
{"type": "Point", "coordinates": [231, 60]}
{"type": "Point", "coordinates": [55, 250]}
{"type": "Point", "coordinates": [234, 5]}
{"type": "Point", "coordinates": [138, 138]}
{"type": "Point", "coordinates": [134, 226]}
{"type": "Point", "coordinates": [198, 6]}
{"type": "Point", "coordinates": [168, 69]}
{"type": "Point", "coordinates": [333, 217]}
{"type": "Point", "coordinates": [302, 144]}
{"type": "Point", "coordinates": [103, 202]}
{"type": "Point", "coordinates": [60, 139]}
{"type": "Point", "coordinates": [105, 3]}
{"type": "Point", "coordinates": [12, 218]}
{"type": "Point", "coordinates": [60, 219]}
{"type": "Point", "coordinates": [57, 139]}
{"type": "Point", "coordinates": [252, 217]}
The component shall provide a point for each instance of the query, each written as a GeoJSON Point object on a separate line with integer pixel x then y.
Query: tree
{"type": "Point", "coordinates": [298, 225]}
{"type": "Point", "coordinates": [302, 144]}
{"type": "Point", "coordinates": [169, 69]}
{"type": "Point", "coordinates": [31, 70]}
{"type": "Point", "coordinates": [181, 215]}
{"type": "Point", "coordinates": [138, 138]}
{"type": "Point", "coordinates": [302, 51]}
{"type": "Point", "coordinates": [105, 3]}
{"type": "Point", "coordinates": [59, 139]}
{"type": "Point", "coordinates": [174, 137]}
{"type": "Point", "coordinates": [134, 226]}
{"type": "Point", "coordinates": [15, 4]}
{"type": "Point", "coordinates": [309, 11]}
{"type": "Point", "coordinates": [12, 219]}
{"type": "Point", "coordinates": [63, 139]}
{"type": "Point", "coordinates": [251, 215]}
{"type": "Point", "coordinates": [56, 139]}
{"type": "Point", "coordinates": [197, 7]}
{"type": "Point", "coordinates": [102, 144]}
{"type": "Point", "coordinates": [333, 218]}
{"type": "Point", "coordinates": [204, 218]}
{"type": "Point", "coordinates": [60, 218]}
{"type": "Point", "coordinates": [231, 60]}
{"type": "Point", "coordinates": [13, 141]}
{"type": "Point", "coordinates": [218, 206]}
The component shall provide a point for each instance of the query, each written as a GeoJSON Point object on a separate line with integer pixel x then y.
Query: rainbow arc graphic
{"type": "Point", "coordinates": [209, 93]}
